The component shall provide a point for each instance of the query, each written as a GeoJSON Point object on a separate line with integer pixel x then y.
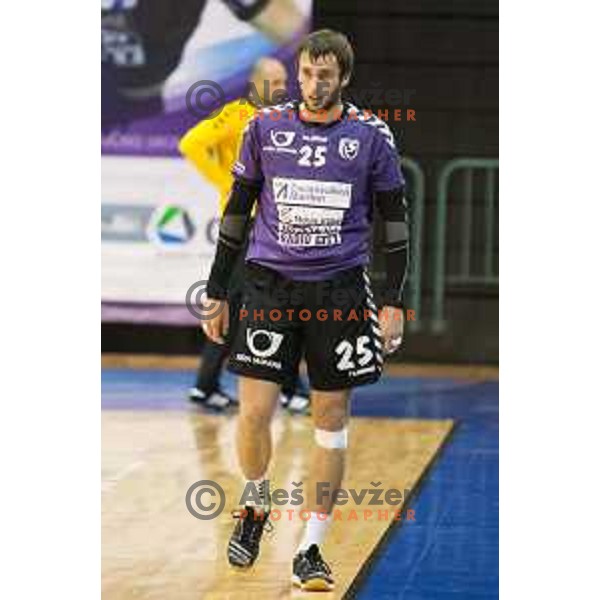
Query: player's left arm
{"type": "Point", "coordinates": [390, 202]}
{"type": "Point", "coordinates": [393, 211]}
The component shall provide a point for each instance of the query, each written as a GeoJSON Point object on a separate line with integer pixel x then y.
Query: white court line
{"type": "Point", "coordinates": [109, 483]}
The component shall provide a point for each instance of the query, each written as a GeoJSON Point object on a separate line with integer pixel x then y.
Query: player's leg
{"type": "Point", "coordinates": [258, 400]}
{"type": "Point", "coordinates": [330, 417]}
{"type": "Point", "coordinates": [343, 351]}
{"type": "Point", "coordinates": [330, 420]}
{"type": "Point", "coordinates": [263, 353]}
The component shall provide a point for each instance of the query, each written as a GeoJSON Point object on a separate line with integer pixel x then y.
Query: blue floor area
{"type": "Point", "coordinates": [451, 551]}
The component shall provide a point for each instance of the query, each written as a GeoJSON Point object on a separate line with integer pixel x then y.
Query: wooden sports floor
{"type": "Point", "coordinates": [155, 447]}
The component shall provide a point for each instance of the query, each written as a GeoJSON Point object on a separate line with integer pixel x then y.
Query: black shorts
{"type": "Point", "coordinates": [333, 323]}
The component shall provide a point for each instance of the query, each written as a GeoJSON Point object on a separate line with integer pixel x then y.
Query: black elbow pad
{"type": "Point", "coordinates": [394, 213]}
{"type": "Point", "coordinates": [237, 215]}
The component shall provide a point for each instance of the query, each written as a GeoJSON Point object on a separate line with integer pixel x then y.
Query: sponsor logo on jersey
{"type": "Point", "coordinates": [309, 226]}
{"type": "Point", "coordinates": [312, 192]}
{"type": "Point", "coordinates": [310, 212]}
{"type": "Point", "coordinates": [282, 139]}
{"type": "Point", "coordinates": [315, 138]}
{"type": "Point", "coordinates": [348, 148]}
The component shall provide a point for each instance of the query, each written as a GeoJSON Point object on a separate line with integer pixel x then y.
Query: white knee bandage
{"type": "Point", "coordinates": [332, 439]}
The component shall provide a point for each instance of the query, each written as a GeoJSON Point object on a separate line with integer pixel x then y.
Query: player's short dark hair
{"type": "Point", "coordinates": [326, 41]}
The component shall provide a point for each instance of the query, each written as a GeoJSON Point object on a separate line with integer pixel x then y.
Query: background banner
{"type": "Point", "coordinates": [159, 215]}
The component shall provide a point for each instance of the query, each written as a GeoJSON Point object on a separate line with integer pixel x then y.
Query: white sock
{"type": "Point", "coordinates": [315, 530]}
{"type": "Point", "coordinates": [261, 486]}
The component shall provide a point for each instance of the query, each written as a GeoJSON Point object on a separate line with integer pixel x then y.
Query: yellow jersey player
{"type": "Point", "coordinates": [213, 147]}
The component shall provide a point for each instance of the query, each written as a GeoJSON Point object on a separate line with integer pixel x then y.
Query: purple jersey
{"type": "Point", "coordinates": [315, 209]}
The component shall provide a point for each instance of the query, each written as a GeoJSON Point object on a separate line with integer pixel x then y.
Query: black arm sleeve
{"type": "Point", "coordinates": [393, 210]}
{"type": "Point", "coordinates": [232, 235]}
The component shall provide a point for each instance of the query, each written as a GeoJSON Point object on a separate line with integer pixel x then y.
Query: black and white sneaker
{"type": "Point", "coordinates": [218, 400]}
{"type": "Point", "coordinates": [311, 572]}
{"type": "Point", "coordinates": [244, 543]}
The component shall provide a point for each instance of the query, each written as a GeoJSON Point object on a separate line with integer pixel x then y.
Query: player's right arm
{"type": "Point", "coordinates": [234, 227]}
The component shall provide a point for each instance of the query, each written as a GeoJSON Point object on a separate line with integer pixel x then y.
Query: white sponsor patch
{"type": "Point", "coordinates": [315, 138]}
{"type": "Point", "coordinates": [309, 192]}
{"type": "Point", "coordinates": [309, 226]}
{"type": "Point", "coordinates": [304, 215]}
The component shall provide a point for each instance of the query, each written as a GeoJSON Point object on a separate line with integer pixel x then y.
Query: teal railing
{"type": "Point", "coordinates": [465, 272]}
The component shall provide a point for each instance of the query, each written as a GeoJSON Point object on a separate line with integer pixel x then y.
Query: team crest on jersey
{"type": "Point", "coordinates": [282, 139]}
{"type": "Point", "coordinates": [348, 148]}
